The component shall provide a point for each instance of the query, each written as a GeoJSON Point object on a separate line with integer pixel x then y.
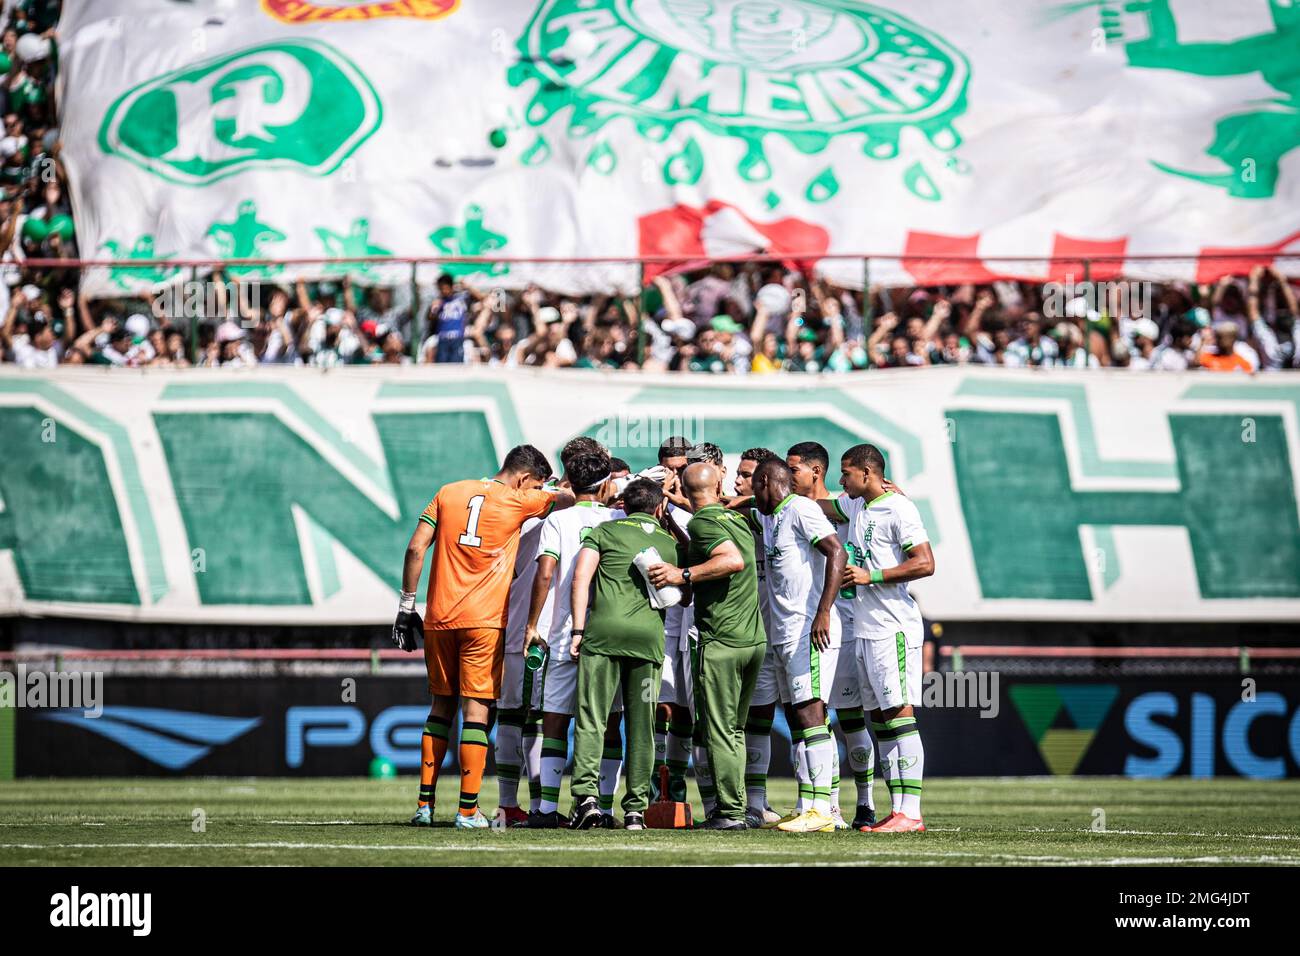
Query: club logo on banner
{"type": "Point", "coordinates": [301, 11]}
{"type": "Point", "coordinates": [1248, 143]}
{"type": "Point", "coordinates": [298, 104]}
{"type": "Point", "coordinates": [743, 69]}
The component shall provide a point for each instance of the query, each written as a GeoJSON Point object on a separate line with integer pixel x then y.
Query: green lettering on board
{"type": "Point", "coordinates": [238, 475]}
{"type": "Point", "coordinates": [1236, 500]}
{"type": "Point", "coordinates": [60, 516]}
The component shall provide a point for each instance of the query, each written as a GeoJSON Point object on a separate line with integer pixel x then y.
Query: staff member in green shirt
{"type": "Point", "coordinates": [619, 647]}
{"type": "Point", "coordinates": [722, 574]}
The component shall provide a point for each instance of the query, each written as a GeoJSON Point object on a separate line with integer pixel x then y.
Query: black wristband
{"type": "Point", "coordinates": [577, 632]}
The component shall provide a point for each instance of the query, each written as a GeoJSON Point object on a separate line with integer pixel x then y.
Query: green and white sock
{"type": "Point", "coordinates": [704, 780]}
{"type": "Point", "coordinates": [555, 755]}
{"type": "Point", "coordinates": [532, 747]}
{"type": "Point", "coordinates": [835, 769]}
{"type": "Point", "coordinates": [678, 751]}
{"type": "Point", "coordinates": [509, 756]}
{"type": "Point", "coordinates": [909, 764]}
{"type": "Point", "coordinates": [661, 747]}
{"type": "Point", "coordinates": [888, 744]}
{"type": "Point", "coordinates": [820, 749]}
{"type": "Point", "coordinates": [611, 765]}
{"type": "Point", "coordinates": [862, 754]}
{"type": "Point", "coordinates": [800, 757]}
{"type": "Point", "coordinates": [902, 758]}
{"type": "Point", "coordinates": [758, 759]}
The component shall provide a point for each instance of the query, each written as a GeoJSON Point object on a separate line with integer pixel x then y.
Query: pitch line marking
{"type": "Point", "coordinates": [918, 856]}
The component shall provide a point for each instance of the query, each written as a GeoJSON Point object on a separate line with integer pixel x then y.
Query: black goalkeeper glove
{"type": "Point", "coordinates": [407, 630]}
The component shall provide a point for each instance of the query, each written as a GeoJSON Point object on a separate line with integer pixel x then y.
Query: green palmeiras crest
{"type": "Point", "coordinates": [806, 71]}
{"type": "Point", "coordinates": [295, 104]}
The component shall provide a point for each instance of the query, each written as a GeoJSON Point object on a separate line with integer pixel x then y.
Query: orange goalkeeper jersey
{"type": "Point", "coordinates": [477, 525]}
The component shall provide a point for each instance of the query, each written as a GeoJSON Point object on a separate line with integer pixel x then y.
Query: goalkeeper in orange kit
{"type": "Point", "coordinates": [473, 527]}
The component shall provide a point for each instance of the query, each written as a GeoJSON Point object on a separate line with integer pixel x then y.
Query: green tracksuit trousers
{"type": "Point", "coordinates": [600, 678]}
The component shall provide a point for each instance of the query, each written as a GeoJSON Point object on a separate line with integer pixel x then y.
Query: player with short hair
{"type": "Point", "coordinates": [809, 463]}
{"type": "Point", "coordinates": [887, 624]}
{"type": "Point", "coordinates": [804, 564]}
{"type": "Point", "coordinates": [619, 648]}
{"type": "Point", "coordinates": [723, 578]}
{"type": "Point", "coordinates": [519, 720]}
{"type": "Point", "coordinates": [561, 542]}
{"type": "Point", "coordinates": [473, 527]}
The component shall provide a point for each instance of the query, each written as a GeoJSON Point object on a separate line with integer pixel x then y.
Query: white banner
{"type": "Point", "coordinates": [685, 128]}
{"type": "Point", "coordinates": [280, 495]}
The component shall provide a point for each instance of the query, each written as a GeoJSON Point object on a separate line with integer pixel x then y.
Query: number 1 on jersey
{"type": "Point", "coordinates": [470, 538]}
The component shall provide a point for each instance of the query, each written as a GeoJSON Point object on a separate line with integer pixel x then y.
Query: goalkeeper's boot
{"type": "Point", "coordinates": [899, 823]}
{"type": "Point", "coordinates": [810, 821]}
{"type": "Point", "coordinates": [586, 815]}
{"type": "Point", "coordinates": [634, 821]}
{"type": "Point", "coordinates": [864, 818]}
{"type": "Point", "coordinates": [474, 822]}
{"type": "Point", "coordinates": [423, 816]}
{"type": "Point", "coordinates": [511, 816]}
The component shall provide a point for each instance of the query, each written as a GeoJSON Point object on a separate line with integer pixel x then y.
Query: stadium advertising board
{"type": "Point", "coordinates": [622, 128]}
{"type": "Point", "coordinates": [287, 496]}
{"type": "Point", "coordinates": [309, 727]}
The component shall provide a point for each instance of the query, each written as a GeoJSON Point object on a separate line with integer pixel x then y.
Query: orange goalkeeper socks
{"type": "Point", "coordinates": [473, 760]}
{"type": "Point", "coordinates": [433, 748]}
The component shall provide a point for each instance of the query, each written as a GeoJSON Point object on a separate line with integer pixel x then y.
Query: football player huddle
{"type": "Point", "coordinates": [664, 616]}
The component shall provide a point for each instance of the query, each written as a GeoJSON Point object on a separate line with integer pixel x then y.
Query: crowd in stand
{"type": "Point", "coordinates": [752, 318]}
{"type": "Point", "coordinates": [746, 319]}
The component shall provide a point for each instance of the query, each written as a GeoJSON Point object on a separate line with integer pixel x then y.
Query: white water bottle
{"type": "Point", "coordinates": [660, 598]}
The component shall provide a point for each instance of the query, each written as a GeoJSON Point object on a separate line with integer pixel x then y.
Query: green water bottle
{"type": "Point", "coordinates": [535, 658]}
{"type": "Point", "coordinates": [854, 560]}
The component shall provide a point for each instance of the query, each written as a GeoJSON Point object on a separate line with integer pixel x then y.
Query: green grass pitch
{"type": "Point", "coordinates": [324, 822]}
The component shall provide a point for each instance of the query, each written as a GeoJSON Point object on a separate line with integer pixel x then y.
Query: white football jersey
{"type": "Point", "coordinates": [764, 601]}
{"type": "Point", "coordinates": [852, 556]}
{"type": "Point", "coordinates": [562, 536]}
{"type": "Point", "coordinates": [794, 569]}
{"type": "Point", "coordinates": [885, 529]}
{"type": "Point", "coordinates": [521, 589]}
{"type": "Point", "coordinates": [674, 630]}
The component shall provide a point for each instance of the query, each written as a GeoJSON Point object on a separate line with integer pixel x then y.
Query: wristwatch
{"type": "Point", "coordinates": [686, 575]}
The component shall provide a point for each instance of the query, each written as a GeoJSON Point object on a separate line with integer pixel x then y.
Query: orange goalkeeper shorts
{"type": "Point", "coordinates": [465, 661]}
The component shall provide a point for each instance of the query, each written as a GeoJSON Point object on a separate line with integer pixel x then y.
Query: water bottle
{"type": "Point", "coordinates": [660, 598]}
{"type": "Point", "coordinates": [855, 560]}
{"type": "Point", "coordinates": [535, 658]}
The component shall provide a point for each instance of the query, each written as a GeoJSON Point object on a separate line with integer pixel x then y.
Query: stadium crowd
{"type": "Point", "coordinates": [754, 319]}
